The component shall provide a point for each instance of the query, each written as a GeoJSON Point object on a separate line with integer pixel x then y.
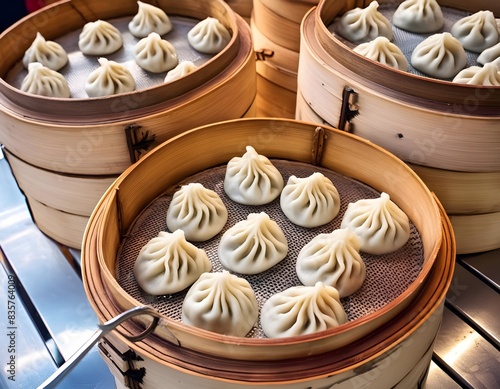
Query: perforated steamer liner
{"type": "Point", "coordinates": [214, 145]}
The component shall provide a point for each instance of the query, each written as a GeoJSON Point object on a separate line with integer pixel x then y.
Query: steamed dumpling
{"type": "Point", "coordinates": [491, 54]}
{"type": "Point", "coordinates": [252, 179]}
{"type": "Point", "coordinates": [168, 264]}
{"type": "Point", "coordinates": [440, 55]}
{"type": "Point", "coordinates": [476, 32]}
{"type": "Point", "coordinates": [253, 245]}
{"type": "Point", "coordinates": [43, 81]}
{"type": "Point", "coordinates": [198, 211]}
{"type": "Point", "coordinates": [155, 54]}
{"type": "Point", "coordinates": [209, 36]}
{"type": "Point", "coordinates": [380, 224]}
{"type": "Point", "coordinates": [109, 79]}
{"type": "Point", "coordinates": [181, 70]}
{"type": "Point", "coordinates": [334, 260]}
{"type": "Point", "coordinates": [365, 24]}
{"type": "Point", "coordinates": [149, 19]}
{"type": "Point", "coordinates": [488, 75]}
{"type": "Point", "coordinates": [384, 51]}
{"type": "Point", "coordinates": [302, 310]}
{"type": "Point", "coordinates": [419, 16]}
{"type": "Point", "coordinates": [99, 38]}
{"type": "Point", "coordinates": [311, 201]}
{"type": "Point", "coordinates": [49, 54]}
{"type": "Point", "coordinates": [221, 302]}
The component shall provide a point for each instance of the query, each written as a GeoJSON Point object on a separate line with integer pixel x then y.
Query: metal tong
{"type": "Point", "coordinates": [110, 325]}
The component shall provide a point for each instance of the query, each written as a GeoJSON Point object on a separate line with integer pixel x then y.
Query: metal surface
{"type": "Point", "coordinates": [54, 318]}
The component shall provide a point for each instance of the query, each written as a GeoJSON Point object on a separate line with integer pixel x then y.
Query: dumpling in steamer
{"type": "Point", "coordinates": [43, 81]}
{"type": "Point", "coordinates": [440, 55]}
{"type": "Point", "coordinates": [99, 38]}
{"type": "Point", "coordinates": [49, 54]}
{"type": "Point", "coordinates": [252, 179]}
{"type": "Point", "coordinates": [302, 310]}
{"type": "Point", "coordinates": [198, 211]}
{"type": "Point", "coordinates": [209, 36]}
{"type": "Point", "coordinates": [384, 51]}
{"type": "Point", "coordinates": [155, 54]}
{"type": "Point", "coordinates": [222, 303]}
{"type": "Point", "coordinates": [253, 245]}
{"type": "Point", "coordinates": [109, 79]}
{"type": "Point", "coordinates": [419, 16]}
{"type": "Point", "coordinates": [365, 24]}
{"type": "Point", "coordinates": [334, 260]}
{"type": "Point", "coordinates": [380, 224]}
{"type": "Point", "coordinates": [181, 70]}
{"type": "Point", "coordinates": [149, 19]}
{"type": "Point", "coordinates": [476, 32]}
{"type": "Point", "coordinates": [488, 75]}
{"type": "Point", "coordinates": [168, 264]}
{"type": "Point", "coordinates": [311, 201]}
{"type": "Point", "coordinates": [491, 54]}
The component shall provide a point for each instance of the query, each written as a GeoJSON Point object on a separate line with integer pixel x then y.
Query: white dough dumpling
{"type": "Point", "coordinates": [310, 201]}
{"type": "Point", "coordinates": [99, 38]}
{"type": "Point", "coordinates": [491, 54]}
{"type": "Point", "coordinates": [380, 224]}
{"type": "Point", "coordinates": [488, 75]}
{"type": "Point", "coordinates": [198, 211]}
{"type": "Point", "coordinates": [334, 260]}
{"type": "Point", "coordinates": [252, 179]}
{"type": "Point", "coordinates": [109, 79]}
{"type": "Point", "coordinates": [43, 81]}
{"type": "Point", "coordinates": [384, 51]}
{"type": "Point", "coordinates": [302, 310]}
{"type": "Point", "coordinates": [419, 16]}
{"type": "Point", "coordinates": [253, 245]}
{"type": "Point", "coordinates": [221, 302]}
{"type": "Point", "coordinates": [50, 54]}
{"type": "Point", "coordinates": [155, 54]}
{"type": "Point", "coordinates": [365, 24]}
{"type": "Point", "coordinates": [149, 19]}
{"type": "Point", "coordinates": [209, 36]}
{"type": "Point", "coordinates": [476, 32]}
{"type": "Point", "coordinates": [440, 55]}
{"type": "Point", "coordinates": [181, 70]}
{"type": "Point", "coordinates": [168, 264]}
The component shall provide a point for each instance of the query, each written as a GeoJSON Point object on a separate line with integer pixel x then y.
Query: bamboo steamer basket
{"type": "Point", "coordinates": [184, 357]}
{"type": "Point", "coordinates": [432, 126]}
{"type": "Point", "coordinates": [476, 232]}
{"type": "Point", "coordinates": [101, 136]}
{"type": "Point", "coordinates": [242, 8]}
{"type": "Point", "coordinates": [273, 100]}
{"type": "Point", "coordinates": [215, 144]}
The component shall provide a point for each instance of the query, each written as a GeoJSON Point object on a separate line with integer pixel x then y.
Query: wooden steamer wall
{"type": "Point", "coordinates": [448, 133]}
{"type": "Point", "coordinates": [66, 152]}
{"type": "Point", "coordinates": [396, 338]}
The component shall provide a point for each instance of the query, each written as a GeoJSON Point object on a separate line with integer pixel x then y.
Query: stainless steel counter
{"type": "Point", "coordinates": [52, 316]}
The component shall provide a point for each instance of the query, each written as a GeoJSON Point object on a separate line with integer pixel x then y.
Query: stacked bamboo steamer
{"type": "Point", "coordinates": [242, 8]}
{"type": "Point", "coordinates": [276, 34]}
{"type": "Point", "coordinates": [448, 133]}
{"type": "Point", "coordinates": [65, 152]}
{"type": "Point", "coordinates": [398, 337]}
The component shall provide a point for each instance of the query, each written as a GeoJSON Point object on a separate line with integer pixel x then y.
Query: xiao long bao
{"type": "Point", "coordinates": [419, 16]}
{"type": "Point", "coordinates": [168, 264]}
{"type": "Point", "coordinates": [209, 36]}
{"type": "Point", "coordinates": [149, 19]}
{"type": "Point", "coordinates": [109, 79]}
{"type": "Point", "coordinates": [43, 81]}
{"type": "Point", "coordinates": [49, 54]}
{"type": "Point", "coordinates": [99, 38]}
{"type": "Point", "coordinates": [181, 70]}
{"type": "Point", "coordinates": [476, 32]}
{"type": "Point", "coordinates": [155, 54]}
{"type": "Point", "coordinates": [221, 302]}
{"type": "Point", "coordinates": [384, 51]}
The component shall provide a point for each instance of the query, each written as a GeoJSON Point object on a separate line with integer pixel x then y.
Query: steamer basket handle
{"type": "Point", "coordinates": [110, 325]}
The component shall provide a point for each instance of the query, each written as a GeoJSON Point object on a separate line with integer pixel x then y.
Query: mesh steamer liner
{"type": "Point", "coordinates": [300, 143]}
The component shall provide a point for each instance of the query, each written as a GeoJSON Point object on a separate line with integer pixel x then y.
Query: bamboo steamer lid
{"type": "Point", "coordinates": [105, 135]}
{"type": "Point", "coordinates": [434, 133]}
{"type": "Point", "coordinates": [405, 341]}
{"type": "Point", "coordinates": [215, 144]}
